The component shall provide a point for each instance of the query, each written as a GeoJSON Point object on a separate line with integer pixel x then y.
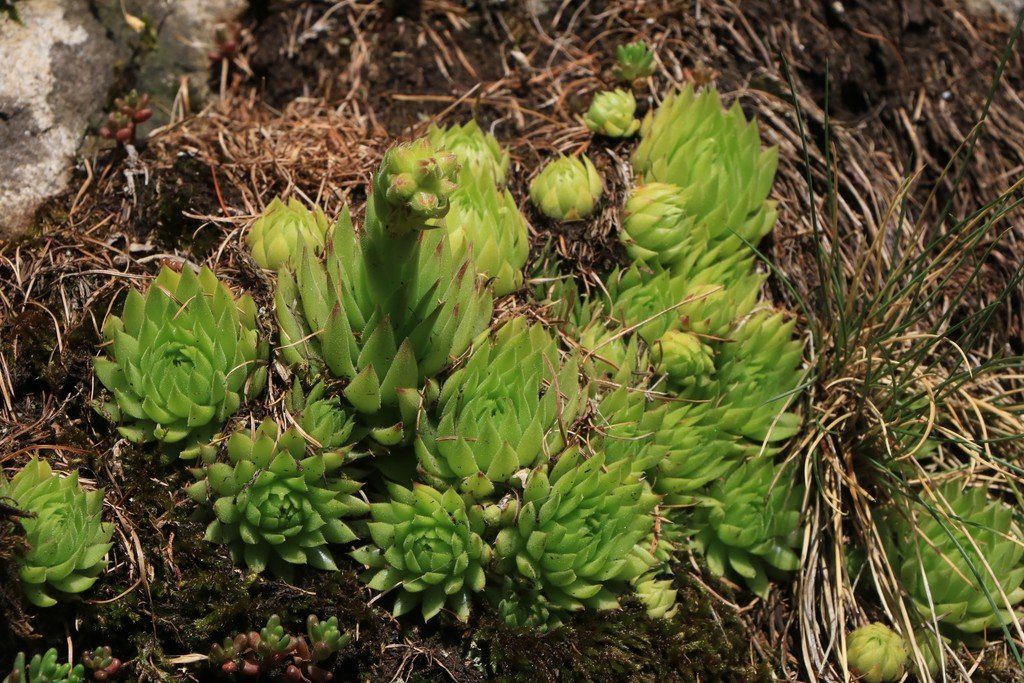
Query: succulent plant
{"type": "Point", "coordinates": [388, 311]}
{"type": "Point", "coordinates": [320, 417]}
{"type": "Point", "coordinates": [876, 654]}
{"type": "Point", "coordinates": [476, 150]}
{"type": "Point", "coordinates": [275, 506]}
{"type": "Point", "coordinates": [750, 525]}
{"type": "Point", "coordinates": [66, 538]}
{"type": "Point", "coordinates": [931, 646]}
{"type": "Point", "coordinates": [657, 224]}
{"type": "Point", "coordinates": [294, 658]}
{"type": "Point", "coordinates": [428, 545]}
{"type": "Point", "coordinates": [716, 155]}
{"type": "Point", "coordinates": [282, 231]}
{"type": "Point", "coordinates": [757, 372]}
{"type": "Point", "coordinates": [634, 60]}
{"type": "Point", "coordinates": [325, 638]}
{"type": "Point", "coordinates": [577, 532]}
{"type": "Point", "coordinates": [684, 358]}
{"type": "Point", "coordinates": [413, 185]}
{"type": "Point", "coordinates": [102, 663]}
{"type": "Point", "coordinates": [705, 296]}
{"type": "Point", "coordinates": [612, 114]}
{"type": "Point", "coordinates": [567, 188]}
{"type": "Point", "coordinates": [181, 360]}
{"type": "Point", "coordinates": [502, 412]}
{"type": "Point", "coordinates": [658, 596]}
{"type": "Point", "coordinates": [487, 220]}
{"type": "Point", "coordinates": [130, 110]}
{"type": "Point", "coordinates": [961, 565]}
{"type": "Point", "coordinates": [44, 669]}
{"type": "Point", "coordinates": [678, 447]}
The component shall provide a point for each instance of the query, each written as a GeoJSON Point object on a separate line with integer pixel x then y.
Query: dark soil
{"type": "Point", "coordinates": [905, 79]}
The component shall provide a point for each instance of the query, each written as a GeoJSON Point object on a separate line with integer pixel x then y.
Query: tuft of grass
{"type": "Point", "coordinates": [905, 386]}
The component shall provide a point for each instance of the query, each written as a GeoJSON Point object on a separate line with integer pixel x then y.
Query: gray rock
{"type": "Point", "coordinates": [58, 66]}
{"type": "Point", "coordinates": [1008, 8]}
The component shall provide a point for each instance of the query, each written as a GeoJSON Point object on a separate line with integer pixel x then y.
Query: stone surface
{"type": "Point", "coordinates": [66, 62]}
{"type": "Point", "coordinates": [1008, 8]}
{"type": "Point", "coordinates": [58, 66]}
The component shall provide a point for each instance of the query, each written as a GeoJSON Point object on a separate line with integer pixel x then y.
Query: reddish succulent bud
{"type": "Point", "coordinates": [229, 667]}
{"type": "Point", "coordinates": [125, 134]}
{"type": "Point", "coordinates": [142, 115]}
{"type": "Point", "coordinates": [292, 674]}
{"type": "Point", "coordinates": [250, 669]}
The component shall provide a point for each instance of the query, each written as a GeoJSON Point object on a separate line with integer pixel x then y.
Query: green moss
{"type": "Point", "coordinates": [702, 643]}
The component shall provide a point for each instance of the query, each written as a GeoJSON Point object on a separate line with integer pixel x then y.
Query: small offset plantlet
{"type": "Point", "coordinates": [714, 158]}
{"type": "Point", "coordinates": [297, 657]}
{"type": "Point", "coordinates": [577, 534]}
{"type": "Point", "coordinates": [612, 113]}
{"type": "Point", "coordinates": [686, 360]}
{"type": "Point", "coordinates": [428, 546]}
{"type": "Point", "coordinates": [962, 565]}
{"type": "Point", "coordinates": [501, 412]}
{"type": "Point", "coordinates": [386, 311]}
{"type": "Point", "coordinates": [567, 188]}
{"type": "Point", "coordinates": [487, 221]}
{"type": "Point", "coordinates": [876, 654]}
{"type": "Point", "coordinates": [275, 506]}
{"type": "Point", "coordinates": [634, 60]}
{"type": "Point", "coordinates": [44, 669]}
{"type": "Point", "coordinates": [750, 526]}
{"type": "Point", "coordinates": [129, 111]}
{"type": "Point", "coordinates": [180, 360]}
{"type": "Point", "coordinates": [283, 231]}
{"type": "Point", "coordinates": [102, 663]}
{"type": "Point", "coordinates": [320, 417]}
{"type": "Point", "coordinates": [477, 151]}
{"type": "Point", "coordinates": [325, 638]}
{"type": "Point", "coordinates": [67, 539]}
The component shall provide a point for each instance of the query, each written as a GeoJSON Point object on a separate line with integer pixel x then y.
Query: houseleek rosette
{"type": "Point", "coordinates": [44, 669]}
{"type": "Point", "coordinates": [476, 150]}
{"type": "Point", "coordinates": [678, 447]}
{"type": "Point", "coordinates": [282, 231]}
{"type": "Point", "coordinates": [320, 417]}
{"type": "Point", "coordinates": [577, 533]}
{"type": "Point", "coordinates": [275, 505]}
{"type": "Point", "coordinates": [428, 545]}
{"type": "Point", "coordinates": [612, 113]}
{"type": "Point", "coordinates": [487, 221]}
{"type": "Point", "coordinates": [567, 188]}
{"type": "Point", "coordinates": [656, 300]}
{"type": "Point", "coordinates": [876, 654]}
{"type": "Point", "coordinates": [180, 361]}
{"type": "Point", "coordinates": [684, 358]}
{"type": "Point", "coordinates": [502, 412]}
{"type": "Point", "coordinates": [67, 540]}
{"type": "Point", "coordinates": [757, 373]}
{"type": "Point", "coordinates": [716, 156]}
{"type": "Point", "coordinates": [749, 527]}
{"type": "Point", "coordinates": [387, 311]}
{"type": "Point", "coordinates": [960, 565]}
{"type": "Point", "coordinates": [633, 60]}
